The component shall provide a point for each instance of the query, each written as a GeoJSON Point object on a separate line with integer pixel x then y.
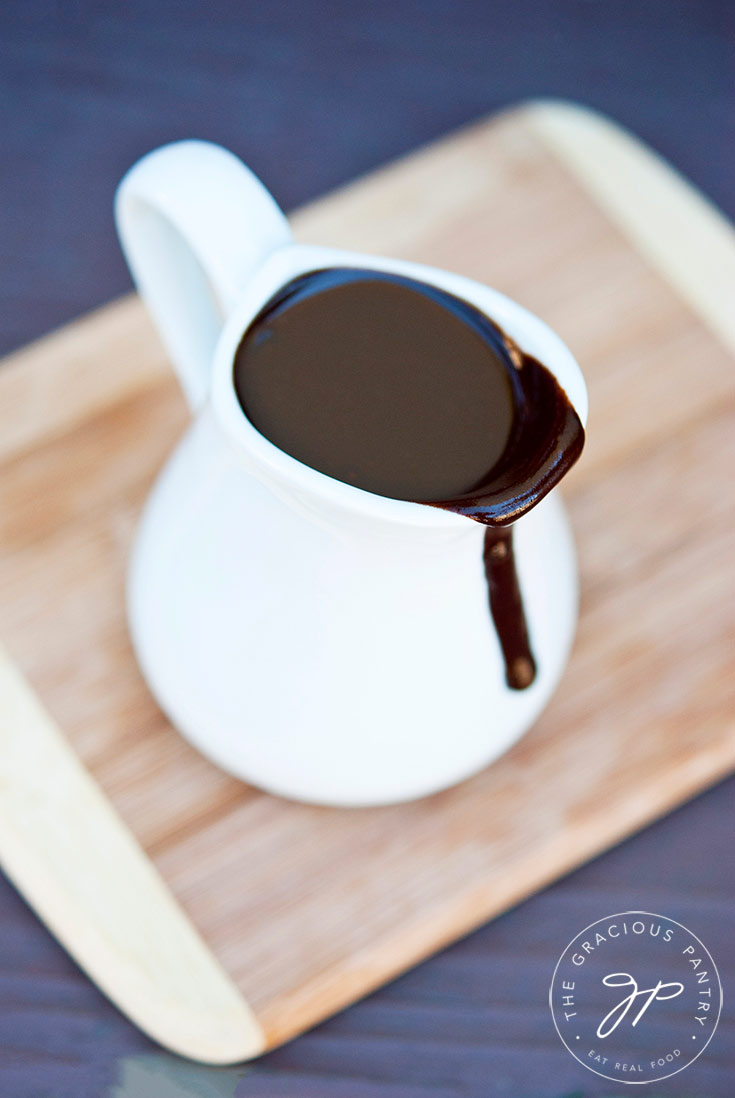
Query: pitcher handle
{"type": "Point", "coordinates": [194, 223]}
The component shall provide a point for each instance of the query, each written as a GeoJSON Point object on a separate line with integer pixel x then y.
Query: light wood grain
{"type": "Point", "coordinates": [687, 239]}
{"type": "Point", "coordinates": [70, 855]}
{"type": "Point", "coordinates": [305, 908]}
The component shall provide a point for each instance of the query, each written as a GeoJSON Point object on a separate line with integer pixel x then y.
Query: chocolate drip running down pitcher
{"type": "Point", "coordinates": [352, 582]}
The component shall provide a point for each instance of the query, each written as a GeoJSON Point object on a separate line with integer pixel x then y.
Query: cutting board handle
{"type": "Point", "coordinates": [194, 224]}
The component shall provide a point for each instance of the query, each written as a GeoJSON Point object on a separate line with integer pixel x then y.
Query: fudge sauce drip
{"type": "Point", "coordinates": [403, 390]}
{"type": "Point", "coordinates": [506, 607]}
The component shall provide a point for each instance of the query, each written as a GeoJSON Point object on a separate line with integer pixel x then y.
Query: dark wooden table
{"type": "Point", "coordinates": [311, 94]}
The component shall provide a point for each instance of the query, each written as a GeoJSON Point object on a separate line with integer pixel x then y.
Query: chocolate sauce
{"type": "Point", "coordinates": [403, 390]}
{"type": "Point", "coordinates": [506, 607]}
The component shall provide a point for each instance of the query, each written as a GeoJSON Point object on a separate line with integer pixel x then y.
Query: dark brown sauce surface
{"type": "Point", "coordinates": [406, 391]}
{"type": "Point", "coordinates": [506, 607]}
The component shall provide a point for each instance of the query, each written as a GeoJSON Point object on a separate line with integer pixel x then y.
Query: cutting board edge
{"type": "Point", "coordinates": [667, 219]}
{"type": "Point", "coordinates": [134, 961]}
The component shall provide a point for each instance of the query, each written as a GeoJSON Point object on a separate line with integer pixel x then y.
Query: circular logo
{"type": "Point", "coordinates": [635, 997]}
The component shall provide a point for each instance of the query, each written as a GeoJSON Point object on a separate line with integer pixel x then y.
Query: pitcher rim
{"type": "Point", "coordinates": [292, 260]}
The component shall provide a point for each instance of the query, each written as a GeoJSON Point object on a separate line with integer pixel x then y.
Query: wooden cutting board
{"type": "Point", "coordinates": [223, 920]}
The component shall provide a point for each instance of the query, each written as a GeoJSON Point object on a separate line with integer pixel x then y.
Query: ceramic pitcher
{"type": "Point", "coordinates": [319, 641]}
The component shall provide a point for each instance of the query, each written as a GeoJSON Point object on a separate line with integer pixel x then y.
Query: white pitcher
{"type": "Point", "coordinates": [319, 641]}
